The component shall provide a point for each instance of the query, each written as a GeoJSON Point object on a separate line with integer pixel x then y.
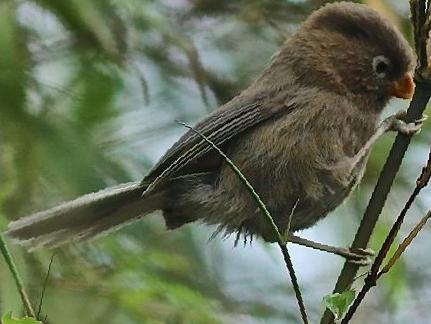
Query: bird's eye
{"type": "Point", "coordinates": [381, 65]}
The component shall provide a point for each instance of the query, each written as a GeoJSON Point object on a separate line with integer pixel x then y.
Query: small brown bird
{"type": "Point", "coordinates": [300, 133]}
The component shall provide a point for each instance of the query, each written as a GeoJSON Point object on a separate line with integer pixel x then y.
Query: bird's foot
{"type": "Point", "coordinates": [358, 256]}
{"type": "Point", "coordinates": [397, 123]}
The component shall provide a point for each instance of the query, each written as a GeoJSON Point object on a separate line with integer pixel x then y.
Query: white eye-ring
{"type": "Point", "coordinates": [380, 65]}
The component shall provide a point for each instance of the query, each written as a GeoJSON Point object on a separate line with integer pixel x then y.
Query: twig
{"type": "Point", "coordinates": [421, 182]}
{"type": "Point", "coordinates": [267, 214]}
{"type": "Point", "coordinates": [45, 283]}
{"type": "Point", "coordinates": [371, 279]}
{"type": "Point", "coordinates": [375, 273]}
{"type": "Point", "coordinates": [18, 281]}
{"type": "Point", "coordinates": [396, 155]}
{"type": "Point", "coordinates": [421, 22]}
{"type": "Point", "coordinates": [294, 280]}
{"type": "Point", "coordinates": [406, 242]}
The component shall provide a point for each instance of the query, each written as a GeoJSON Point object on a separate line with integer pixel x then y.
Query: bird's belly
{"type": "Point", "coordinates": [299, 178]}
{"type": "Point", "coordinates": [297, 195]}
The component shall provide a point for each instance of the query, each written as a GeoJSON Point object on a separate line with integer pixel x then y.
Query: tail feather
{"type": "Point", "coordinates": [85, 217]}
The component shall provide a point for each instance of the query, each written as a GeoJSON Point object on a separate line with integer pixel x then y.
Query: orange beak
{"type": "Point", "coordinates": [404, 88]}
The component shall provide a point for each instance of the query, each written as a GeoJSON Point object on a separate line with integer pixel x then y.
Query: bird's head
{"type": "Point", "coordinates": [350, 49]}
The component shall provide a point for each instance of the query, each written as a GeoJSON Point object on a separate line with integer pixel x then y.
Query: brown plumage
{"type": "Point", "coordinates": [296, 133]}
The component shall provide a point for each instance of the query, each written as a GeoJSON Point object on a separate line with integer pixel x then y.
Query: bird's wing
{"type": "Point", "coordinates": [223, 124]}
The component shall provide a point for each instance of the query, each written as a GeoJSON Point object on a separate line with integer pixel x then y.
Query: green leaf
{"type": "Point", "coordinates": [8, 319]}
{"type": "Point", "coordinates": [338, 303]}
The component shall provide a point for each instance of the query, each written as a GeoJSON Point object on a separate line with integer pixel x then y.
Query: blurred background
{"type": "Point", "coordinates": [89, 95]}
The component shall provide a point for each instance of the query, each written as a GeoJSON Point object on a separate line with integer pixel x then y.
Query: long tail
{"type": "Point", "coordinates": [85, 217]}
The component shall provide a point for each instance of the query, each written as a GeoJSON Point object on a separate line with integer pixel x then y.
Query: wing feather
{"type": "Point", "coordinates": [223, 124]}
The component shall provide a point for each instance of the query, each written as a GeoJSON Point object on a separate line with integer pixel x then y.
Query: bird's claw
{"type": "Point", "coordinates": [363, 256]}
{"type": "Point", "coordinates": [366, 261]}
{"type": "Point", "coordinates": [397, 123]}
{"type": "Point", "coordinates": [364, 252]}
{"type": "Point", "coordinates": [360, 257]}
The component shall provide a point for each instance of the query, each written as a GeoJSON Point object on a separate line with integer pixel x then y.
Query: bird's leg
{"type": "Point", "coordinates": [392, 123]}
{"type": "Point", "coordinates": [357, 256]}
{"type": "Point", "coordinates": [397, 123]}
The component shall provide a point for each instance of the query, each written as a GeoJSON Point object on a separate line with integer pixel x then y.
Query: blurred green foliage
{"type": "Point", "coordinates": [9, 319]}
{"type": "Point", "coordinates": [89, 91]}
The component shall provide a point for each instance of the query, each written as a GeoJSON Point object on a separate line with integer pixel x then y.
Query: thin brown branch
{"type": "Point", "coordinates": [420, 12]}
{"type": "Point", "coordinates": [375, 273]}
{"type": "Point", "coordinates": [405, 244]}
